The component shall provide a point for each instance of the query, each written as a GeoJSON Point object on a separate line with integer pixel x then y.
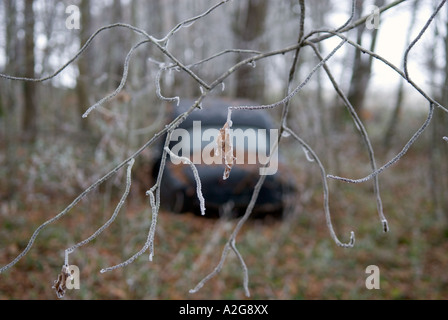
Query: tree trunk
{"type": "Point", "coordinates": [439, 149]}
{"type": "Point", "coordinates": [249, 26]}
{"type": "Point", "coordinates": [393, 122]}
{"type": "Point", "coordinates": [117, 54]}
{"type": "Point", "coordinates": [82, 89]}
{"type": "Point", "coordinates": [29, 120]}
{"type": "Point", "coordinates": [362, 65]}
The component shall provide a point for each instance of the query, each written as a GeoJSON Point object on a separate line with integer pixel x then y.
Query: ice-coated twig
{"type": "Point", "coordinates": [243, 265]}
{"type": "Point", "coordinates": [326, 193]}
{"type": "Point", "coordinates": [185, 160]}
{"type": "Point", "coordinates": [397, 157]}
{"type": "Point", "coordinates": [158, 88]}
{"type": "Point", "coordinates": [297, 89]}
{"type": "Point", "coordinates": [154, 192]}
{"type": "Point", "coordinates": [189, 21]}
{"type": "Point", "coordinates": [235, 232]}
{"type": "Point", "coordinates": [215, 271]}
{"type": "Point", "coordinates": [353, 24]}
{"type": "Point", "coordinates": [80, 51]}
{"type": "Point", "coordinates": [386, 62]}
{"type": "Point", "coordinates": [155, 205]}
{"type": "Point", "coordinates": [364, 135]}
{"type": "Point", "coordinates": [428, 22]}
{"type": "Point", "coordinates": [262, 178]}
{"type": "Point", "coordinates": [352, 15]}
{"type": "Point", "coordinates": [122, 82]}
{"type": "Point", "coordinates": [112, 218]}
{"type": "Point", "coordinates": [228, 246]}
{"type": "Point", "coordinates": [216, 55]}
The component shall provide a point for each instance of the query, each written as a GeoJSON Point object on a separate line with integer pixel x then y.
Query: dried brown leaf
{"type": "Point", "coordinates": [225, 149]}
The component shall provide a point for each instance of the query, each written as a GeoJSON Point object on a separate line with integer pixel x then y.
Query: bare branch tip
{"type": "Point", "coordinates": [351, 243]}
{"type": "Point", "coordinates": [385, 226]}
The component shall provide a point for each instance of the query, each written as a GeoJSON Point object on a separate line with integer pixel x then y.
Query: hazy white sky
{"type": "Point", "coordinates": [391, 45]}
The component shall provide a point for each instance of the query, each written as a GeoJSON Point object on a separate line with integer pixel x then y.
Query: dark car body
{"type": "Point", "coordinates": [178, 186]}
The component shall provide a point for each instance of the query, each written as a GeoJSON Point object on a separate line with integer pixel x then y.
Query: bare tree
{"type": "Point", "coordinates": [362, 65]}
{"type": "Point", "coordinates": [439, 152]}
{"type": "Point", "coordinates": [29, 88]}
{"type": "Point", "coordinates": [82, 88]}
{"type": "Point", "coordinates": [248, 30]}
{"type": "Point", "coordinates": [393, 121]}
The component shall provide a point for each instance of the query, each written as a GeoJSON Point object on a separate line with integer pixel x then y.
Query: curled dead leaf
{"type": "Point", "coordinates": [59, 284]}
{"type": "Point", "coordinates": [225, 149]}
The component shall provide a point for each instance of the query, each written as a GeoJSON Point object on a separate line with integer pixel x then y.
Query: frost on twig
{"type": "Point", "coordinates": [158, 88]}
{"type": "Point", "coordinates": [224, 140]}
{"type": "Point", "coordinates": [112, 218]}
{"type": "Point", "coordinates": [243, 265]}
{"type": "Point", "coordinates": [154, 196]}
{"type": "Point", "coordinates": [397, 157]}
{"type": "Point", "coordinates": [408, 49]}
{"type": "Point", "coordinates": [196, 177]}
{"type": "Point", "coordinates": [326, 193]}
{"type": "Point", "coordinates": [122, 82]}
{"type": "Point", "coordinates": [364, 135]}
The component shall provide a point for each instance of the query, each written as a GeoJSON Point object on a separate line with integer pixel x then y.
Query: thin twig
{"type": "Point", "coordinates": [352, 25]}
{"type": "Point", "coordinates": [106, 177]}
{"type": "Point", "coordinates": [364, 135]}
{"type": "Point", "coordinates": [428, 22]}
{"type": "Point", "coordinates": [326, 193]}
{"type": "Point", "coordinates": [397, 157]}
{"type": "Point", "coordinates": [297, 89]}
{"type": "Point", "coordinates": [216, 55]}
{"type": "Point", "coordinates": [188, 22]}
{"type": "Point", "coordinates": [158, 88]}
{"type": "Point", "coordinates": [122, 82]}
{"type": "Point", "coordinates": [389, 64]}
{"type": "Point", "coordinates": [112, 218]}
{"type": "Point", "coordinates": [155, 205]}
{"type": "Point", "coordinates": [80, 51]}
{"type": "Point", "coordinates": [295, 59]}
{"type": "Point", "coordinates": [243, 265]}
{"type": "Point", "coordinates": [352, 15]}
{"type": "Point", "coordinates": [196, 177]}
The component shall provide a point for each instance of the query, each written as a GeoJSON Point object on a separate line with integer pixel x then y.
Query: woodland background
{"type": "Point", "coordinates": [49, 153]}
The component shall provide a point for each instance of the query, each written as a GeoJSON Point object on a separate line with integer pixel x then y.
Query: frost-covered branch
{"type": "Point", "coordinates": [174, 63]}
{"type": "Point", "coordinates": [419, 36]}
{"type": "Point", "coordinates": [397, 157]}
{"type": "Point", "coordinates": [196, 178]}
{"type": "Point", "coordinates": [326, 193]}
{"type": "Point", "coordinates": [112, 218]}
{"type": "Point", "coordinates": [360, 126]}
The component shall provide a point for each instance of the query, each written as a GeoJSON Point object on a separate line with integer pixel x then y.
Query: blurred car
{"type": "Point", "coordinates": [178, 186]}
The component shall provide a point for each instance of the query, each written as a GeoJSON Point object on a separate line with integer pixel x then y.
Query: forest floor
{"type": "Point", "coordinates": [293, 258]}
